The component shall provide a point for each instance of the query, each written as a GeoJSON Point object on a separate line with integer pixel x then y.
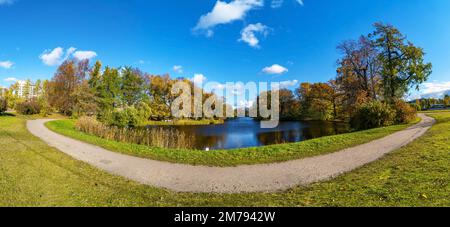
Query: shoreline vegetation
{"type": "Point", "coordinates": [185, 122]}
{"type": "Point", "coordinates": [233, 157]}
{"type": "Point", "coordinates": [34, 174]}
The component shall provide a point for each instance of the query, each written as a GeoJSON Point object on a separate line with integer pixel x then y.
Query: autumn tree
{"type": "Point", "coordinates": [359, 66]}
{"type": "Point", "coordinates": [159, 95]}
{"type": "Point", "coordinates": [68, 77]}
{"type": "Point", "coordinates": [316, 101]}
{"type": "Point", "coordinates": [336, 99]}
{"type": "Point", "coordinates": [402, 63]}
{"type": "Point", "coordinates": [85, 100]}
{"type": "Point", "coordinates": [11, 96]}
{"type": "Point", "coordinates": [289, 105]}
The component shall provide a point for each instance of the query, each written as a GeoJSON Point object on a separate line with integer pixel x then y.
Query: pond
{"type": "Point", "coordinates": [246, 132]}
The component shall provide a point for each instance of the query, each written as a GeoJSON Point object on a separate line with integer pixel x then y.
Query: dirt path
{"type": "Point", "coordinates": [249, 178]}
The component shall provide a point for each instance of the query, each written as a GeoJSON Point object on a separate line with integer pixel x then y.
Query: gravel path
{"type": "Point", "coordinates": [249, 178]}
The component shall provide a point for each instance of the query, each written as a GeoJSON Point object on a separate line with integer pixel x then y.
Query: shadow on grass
{"type": "Point", "coordinates": [7, 115]}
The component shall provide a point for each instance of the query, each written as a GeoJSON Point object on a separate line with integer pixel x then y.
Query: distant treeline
{"type": "Point", "coordinates": [428, 103]}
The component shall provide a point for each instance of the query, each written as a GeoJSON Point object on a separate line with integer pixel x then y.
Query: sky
{"type": "Point", "coordinates": [289, 41]}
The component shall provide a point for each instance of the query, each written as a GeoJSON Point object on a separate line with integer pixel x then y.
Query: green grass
{"type": "Point", "coordinates": [34, 174]}
{"type": "Point", "coordinates": [255, 155]}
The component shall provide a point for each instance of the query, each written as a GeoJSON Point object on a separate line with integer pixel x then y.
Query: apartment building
{"type": "Point", "coordinates": [22, 90]}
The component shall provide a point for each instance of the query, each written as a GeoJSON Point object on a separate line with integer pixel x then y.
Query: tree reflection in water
{"type": "Point", "coordinates": [246, 132]}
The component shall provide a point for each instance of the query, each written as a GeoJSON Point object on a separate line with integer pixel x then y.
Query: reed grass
{"type": "Point", "coordinates": [153, 137]}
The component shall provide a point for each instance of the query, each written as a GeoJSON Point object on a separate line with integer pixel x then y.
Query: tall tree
{"type": "Point", "coordinates": [38, 88]}
{"type": "Point", "coordinates": [360, 65]}
{"type": "Point", "coordinates": [85, 101]}
{"type": "Point", "coordinates": [95, 76]}
{"type": "Point", "coordinates": [160, 97]}
{"type": "Point", "coordinates": [68, 77]}
{"type": "Point", "coordinates": [403, 64]}
{"type": "Point", "coordinates": [110, 89]}
{"type": "Point", "coordinates": [132, 86]}
{"type": "Point", "coordinates": [289, 105]}
{"type": "Point", "coordinates": [27, 92]}
{"type": "Point", "coordinates": [316, 101]}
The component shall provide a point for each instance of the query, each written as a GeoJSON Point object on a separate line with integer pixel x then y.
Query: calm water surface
{"type": "Point", "coordinates": [246, 132]}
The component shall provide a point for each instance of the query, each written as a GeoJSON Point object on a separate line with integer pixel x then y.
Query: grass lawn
{"type": "Point", "coordinates": [268, 154]}
{"type": "Point", "coordinates": [33, 174]}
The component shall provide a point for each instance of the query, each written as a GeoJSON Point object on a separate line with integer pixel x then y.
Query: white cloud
{"type": "Point", "coordinates": [279, 3]}
{"type": "Point", "coordinates": [6, 2]}
{"type": "Point", "coordinates": [288, 84]}
{"type": "Point", "coordinates": [435, 89]}
{"type": "Point", "coordinates": [276, 4]}
{"type": "Point", "coordinates": [226, 12]}
{"type": "Point", "coordinates": [178, 69]}
{"type": "Point", "coordinates": [84, 55]}
{"type": "Point", "coordinates": [11, 79]}
{"type": "Point", "coordinates": [52, 58]}
{"type": "Point", "coordinates": [275, 69]}
{"type": "Point", "coordinates": [70, 51]}
{"type": "Point", "coordinates": [58, 55]}
{"type": "Point", "coordinates": [6, 64]}
{"type": "Point", "coordinates": [199, 79]}
{"type": "Point", "coordinates": [248, 34]}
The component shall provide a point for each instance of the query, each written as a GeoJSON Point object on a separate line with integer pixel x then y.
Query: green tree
{"type": "Point", "coordinates": [38, 88]}
{"type": "Point", "coordinates": [27, 90]}
{"type": "Point", "coordinates": [447, 100]}
{"type": "Point", "coordinates": [132, 86]}
{"type": "Point", "coordinates": [95, 76]}
{"type": "Point", "coordinates": [43, 99]}
{"type": "Point", "coordinates": [85, 101]}
{"type": "Point", "coordinates": [403, 64]}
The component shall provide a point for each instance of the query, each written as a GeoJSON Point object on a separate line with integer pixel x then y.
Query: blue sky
{"type": "Point", "coordinates": [225, 41]}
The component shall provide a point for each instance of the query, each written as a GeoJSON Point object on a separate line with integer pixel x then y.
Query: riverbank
{"type": "Point", "coordinates": [185, 122]}
{"type": "Point", "coordinates": [233, 157]}
{"type": "Point", "coordinates": [34, 174]}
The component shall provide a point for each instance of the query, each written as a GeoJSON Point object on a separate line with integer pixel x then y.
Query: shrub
{"type": "Point", "coordinates": [417, 107]}
{"type": "Point", "coordinates": [28, 107]}
{"type": "Point", "coordinates": [128, 117]}
{"type": "Point", "coordinates": [405, 113]}
{"type": "Point", "coordinates": [121, 118]}
{"type": "Point", "coordinates": [154, 137]}
{"type": "Point", "coordinates": [372, 115]}
{"type": "Point", "coordinates": [3, 105]}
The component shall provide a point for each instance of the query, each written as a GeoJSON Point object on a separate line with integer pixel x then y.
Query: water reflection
{"type": "Point", "coordinates": [246, 132]}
